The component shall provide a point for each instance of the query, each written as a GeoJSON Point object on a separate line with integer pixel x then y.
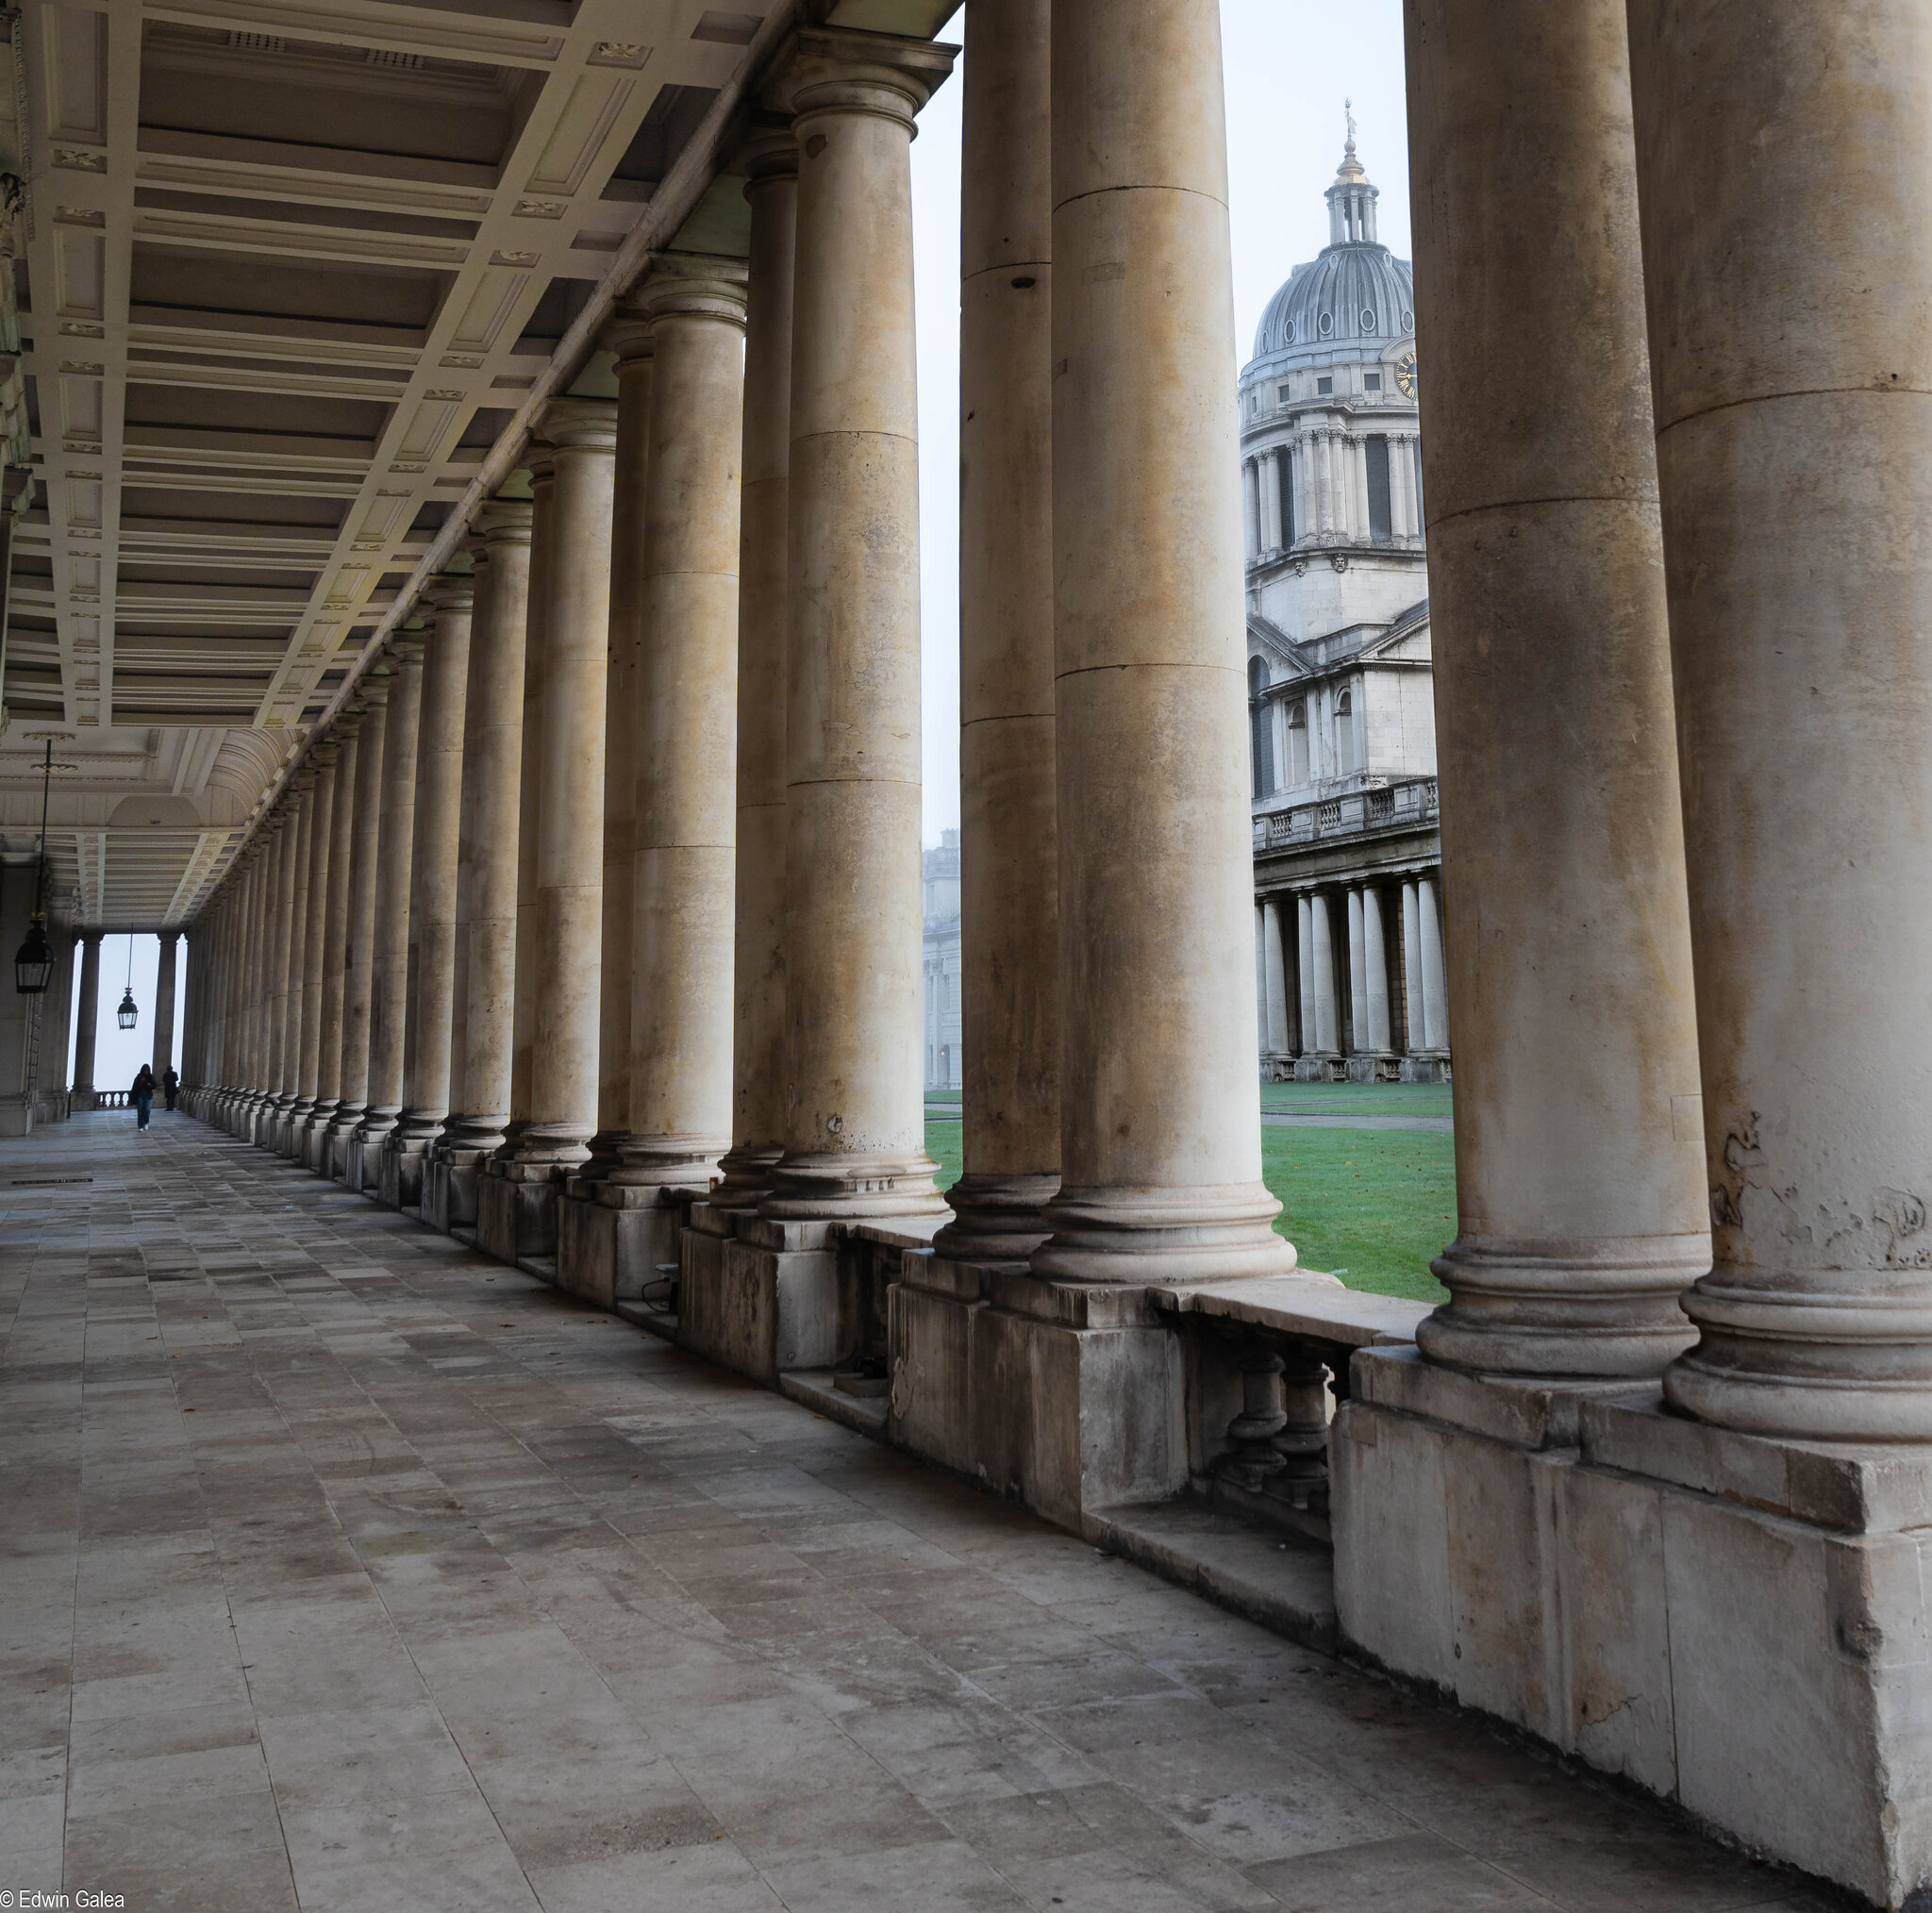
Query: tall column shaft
{"type": "Point", "coordinates": [493, 780]}
{"type": "Point", "coordinates": [88, 1019]}
{"type": "Point", "coordinates": [358, 957]}
{"type": "Point", "coordinates": [529, 977]}
{"type": "Point", "coordinates": [1322, 959]}
{"type": "Point", "coordinates": [163, 1053]}
{"type": "Point", "coordinates": [1434, 977]}
{"type": "Point", "coordinates": [1579, 1215]}
{"type": "Point", "coordinates": [1160, 1113]}
{"type": "Point", "coordinates": [854, 1141]}
{"type": "Point", "coordinates": [395, 844]}
{"type": "Point", "coordinates": [687, 788]}
{"type": "Point", "coordinates": [1358, 976]}
{"type": "Point", "coordinates": [1275, 961]}
{"type": "Point", "coordinates": [1791, 362]}
{"type": "Point", "coordinates": [1305, 969]}
{"type": "Point", "coordinates": [347, 734]}
{"type": "Point", "coordinates": [629, 337]}
{"type": "Point", "coordinates": [281, 945]}
{"type": "Point", "coordinates": [1251, 505]}
{"type": "Point", "coordinates": [1008, 864]}
{"type": "Point", "coordinates": [326, 756]}
{"type": "Point", "coordinates": [303, 853]}
{"type": "Point", "coordinates": [570, 822]}
{"type": "Point", "coordinates": [758, 982]}
{"type": "Point", "coordinates": [437, 841]}
{"type": "Point", "coordinates": [1375, 963]}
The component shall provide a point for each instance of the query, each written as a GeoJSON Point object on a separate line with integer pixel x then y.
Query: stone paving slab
{"type": "Point", "coordinates": [342, 1568]}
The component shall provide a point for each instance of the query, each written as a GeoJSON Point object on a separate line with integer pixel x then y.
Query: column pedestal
{"type": "Point", "coordinates": [516, 1213]}
{"type": "Point", "coordinates": [615, 1242]}
{"type": "Point", "coordinates": [757, 1296]}
{"type": "Point", "coordinates": [1731, 1620]}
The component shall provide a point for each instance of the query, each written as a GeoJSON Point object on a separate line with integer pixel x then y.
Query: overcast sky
{"type": "Point", "coordinates": [1289, 64]}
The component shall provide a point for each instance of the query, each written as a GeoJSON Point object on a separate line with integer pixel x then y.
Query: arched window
{"type": "Point", "coordinates": [1260, 729]}
{"type": "Point", "coordinates": [1297, 742]}
{"type": "Point", "coordinates": [1348, 757]}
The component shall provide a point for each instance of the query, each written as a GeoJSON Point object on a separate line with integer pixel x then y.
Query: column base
{"type": "Point", "coordinates": [1320, 1066]}
{"type": "Point", "coordinates": [1065, 1397]}
{"type": "Point", "coordinates": [295, 1126]}
{"type": "Point", "coordinates": [16, 1115]}
{"type": "Point", "coordinates": [343, 1127]}
{"type": "Point", "coordinates": [744, 1176]}
{"type": "Point", "coordinates": [400, 1165]}
{"type": "Point", "coordinates": [516, 1210]}
{"type": "Point", "coordinates": [1209, 1234]}
{"type": "Point", "coordinates": [757, 1296]}
{"type": "Point", "coordinates": [1374, 1066]}
{"type": "Point", "coordinates": [1426, 1065]}
{"type": "Point", "coordinates": [996, 1218]}
{"type": "Point", "coordinates": [826, 1187]}
{"type": "Point", "coordinates": [83, 1098]}
{"type": "Point", "coordinates": [450, 1180]}
{"type": "Point", "coordinates": [1612, 1311]}
{"type": "Point", "coordinates": [1735, 1621]}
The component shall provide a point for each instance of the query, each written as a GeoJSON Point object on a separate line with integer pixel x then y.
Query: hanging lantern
{"type": "Point", "coordinates": [126, 1014]}
{"type": "Point", "coordinates": [33, 963]}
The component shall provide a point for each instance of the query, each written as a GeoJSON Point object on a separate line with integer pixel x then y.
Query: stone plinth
{"type": "Point", "coordinates": [450, 1181]}
{"type": "Point", "coordinates": [614, 1240]}
{"type": "Point", "coordinates": [1067, 1397]}
{"type": "Point", "coordinates": [1735, 1621]}
{"type": "Point", "coordinates": [400, 1165]}
{"type": "Point", "coordinates": [757, 1296]}
{"type": "Point", "coordinates": [516, 1210]}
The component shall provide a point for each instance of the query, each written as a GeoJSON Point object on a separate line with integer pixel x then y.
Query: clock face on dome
{"type": "Point", "coordinates": [1405, 375]}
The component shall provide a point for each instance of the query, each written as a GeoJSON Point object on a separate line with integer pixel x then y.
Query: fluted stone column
{"type": "Point", "coordinates": [1375, 972]}
{"type": "Point", "coordinates": [1275, 970]}
{"type": "Point", "coordinates": [1435, 972]}
{"type": "Point", "coordinates": [492, 778]}
{"type": "Point", "coordinates": [854, 1121]}
{"type": "Point", "coordinates": [325, 758]}
{"type": "Point", "coordinates": [517, 1215]}
{"type": "Point", "coordinates": [164, 1054]}
{"type": "Point", "coordinates": [1791, 362]}
{"type": "Point", "coordinates": [530, 789]}
{"type": "Point", "coordinates": [396, 843]}
{"type": "Point", "coordinates": [1579, 1212]}
{"type": "Point", "coordinates": [687, 694]}
{"type": "Point", "coordinates": [629, 337]}
{"type": "Point", "coordinates": [1327, 1040]}
{"type": "Point", "coordinates": [1357, 976]}
{"type": "Point", "coordinates": [1160, 1108]}
{"type": "Point", "coordinates": [358, 943]}
{"type": "Point", "coordinates": [757, 1064]}
{"type": "Point", "coordinates": [87, 1020]}
{"type": "Point", "coordinates": [1008, 872]}
{"type": "Point", "coordinates": [347, 734]}
{"type": "Point", "coordinates": [434, 834]}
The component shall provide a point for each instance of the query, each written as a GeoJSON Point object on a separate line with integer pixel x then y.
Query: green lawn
{"type": "Point", "coordinates": [1356, 1099]}
{"type": "Point", "coordinates": [1372, 1206]}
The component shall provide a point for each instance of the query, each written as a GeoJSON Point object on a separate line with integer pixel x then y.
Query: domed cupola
{"type": "Point", "coordinates": [1357, 293]}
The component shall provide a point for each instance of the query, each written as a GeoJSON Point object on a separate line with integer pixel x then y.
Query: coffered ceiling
{"type": "Point", "coordinates": [291, 276]}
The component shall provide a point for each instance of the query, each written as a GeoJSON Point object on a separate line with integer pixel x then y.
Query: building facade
{"type": "Point", "coordinates": [1348, 926]}
{"type": "Point", "coordinates": [944, 1017]}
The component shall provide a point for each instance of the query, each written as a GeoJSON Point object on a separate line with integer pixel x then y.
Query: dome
{"type": "Point", "coordinates": [1356, 292]}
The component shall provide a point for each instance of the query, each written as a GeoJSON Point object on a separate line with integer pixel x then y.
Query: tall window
{"type": "Point", "coordinates": [1260, 731]}
{"type": "Point", "coordinates": [1297, 743]}
{"type": "Point", "coordinates": [1379, 523]}
{"type": "Point", "coordinates": [1346, 756]}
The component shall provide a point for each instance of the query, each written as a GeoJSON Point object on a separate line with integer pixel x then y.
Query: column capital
{"type": "Point", "coordinates": [168, 937]}
{"type": "Point", "coordinates": [407, 646]}
{"type": "Point", "coordinates": [503, 521]}
{"type": "Point", "coordinates": [450, 592]}
{"type": "Point", "coordinates": [843, 70]}
{"type": "Point", "coordinates": [540, 461]}
{"type": "Point", "coordinates": [694, 285]}
{"type": "Point", "coordinates": [325, 752]}
{"type": "Point", "coordinates": [629, 334]}
{"type": "Point", "coordinates": [769, 149]}
{"type": "Point", "coordinates": [348, 722]}
{"type": "Point", "coordinates": [581, 425]}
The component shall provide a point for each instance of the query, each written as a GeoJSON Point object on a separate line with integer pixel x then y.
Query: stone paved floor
{"type": "Point", "coordinates": [342, 1569]}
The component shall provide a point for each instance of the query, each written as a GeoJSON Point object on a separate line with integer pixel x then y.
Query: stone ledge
{"type": "Point", "coordinates": [816, 1389]}
{"type": "Point", "coordinates": [1317, 1309]}
{"type": "Point", "coordinates": [1285, 1585]}
{"type": "Point", "coordinates": [1526, 1413]}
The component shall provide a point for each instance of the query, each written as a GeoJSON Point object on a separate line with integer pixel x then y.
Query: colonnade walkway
{"type": "Point", "coordinates": [341, 1567]}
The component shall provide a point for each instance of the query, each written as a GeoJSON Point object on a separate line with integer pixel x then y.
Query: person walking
{"type": "Point", "coordinates": [171, 1084]}
{"type": "Point", "coordinates": [143, 1094]}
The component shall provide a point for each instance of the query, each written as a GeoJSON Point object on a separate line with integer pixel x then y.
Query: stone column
{"type": "Point", "coordinates": [1434, 974]}
{"type": "Point", "coordinates": [1580, 1217]}
{"type": "Point", "coordinates": [347, 734]}
{"type": "Point", "coordinates": [681, 1021]}
{"type": "Point", "coordinates": [301, 845]}
{"type": "Point", "coordinates": [854, 1141]}
{"type": "Point", "coordinates": [359, 946]}
{"type": "Point", "coordinates": [1251, 505]}
{"type": "Point", "coordinates": [1412, 967]}
{"type": "Point", "coordinates": [492, 781]}
{"type": "Point", "coordinates": [389, 951]}
{"type": "Point", "coordinates": [570, 824]}
{"type": "Point", "coordinates": [1277, 965]}
{"type": "Point", "coordinates": [1322, 959]}
{"type": "Point", "coordinates": [629, 337]}
{"type": "Point", "coordinates": [257, 957]}
{"type": "Point", "coordinates": [435, 836]}
{"type": "Point", "coordinates": [87, 1020]}
{"type": "Point", "coordinates": [164, 1002]}
{"type": "Point", "coordinates": [1305, 968]}
{"type": "Point", "coordinates": [757, 1041]}
{"type": "Point", "coordinates": [1375, 965]}
{"type": "Point", "coordinates": [325, 758]}
{"type": "Point", "coordinates": [1160, 1113]}
{"type": "Point", "coordinates": [1357, 976]}
{"type": "Point", "coordinates": [275, 1095]}
{"type": "Point", "coordinates": [530, 788]}
{"type": "Point", "coordinates": [1791, 363]}
{"type": "Point", "coordinates": [1009, 866]}
{"type": "Point", "coordinates": [1271, 506]}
